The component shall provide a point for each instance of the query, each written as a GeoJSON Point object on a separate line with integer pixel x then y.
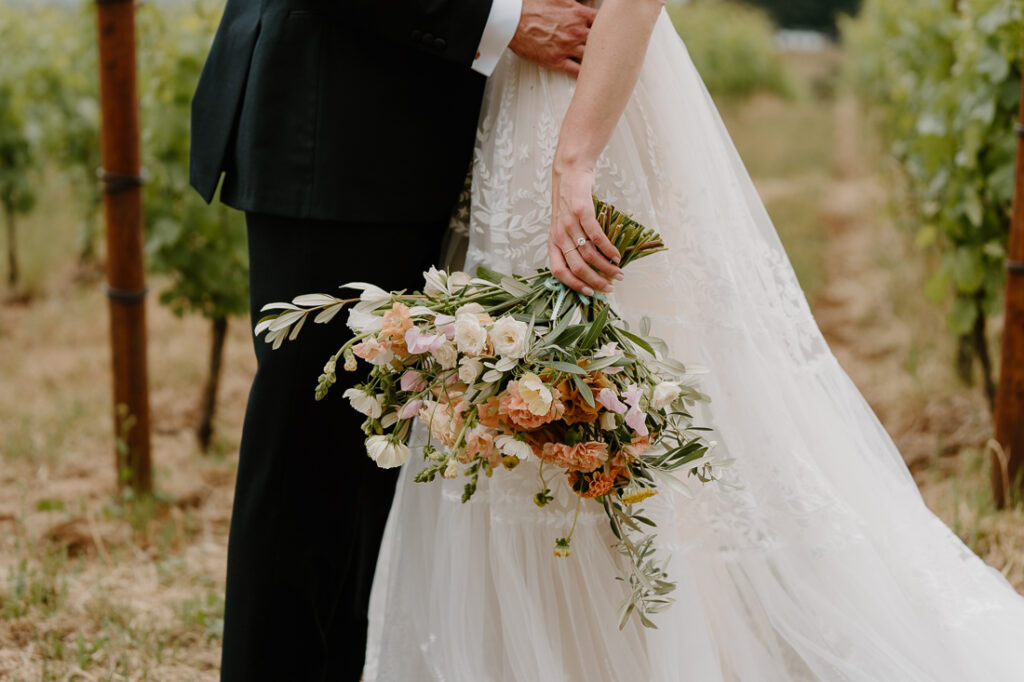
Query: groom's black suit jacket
{"type": "Point", "coordinates": [357, 110]}
{"type": "Point", "coordinates": [344, 129]}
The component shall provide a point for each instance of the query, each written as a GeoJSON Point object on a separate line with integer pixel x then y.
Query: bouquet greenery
{"type": "Point", "coordinates": [502, 368]}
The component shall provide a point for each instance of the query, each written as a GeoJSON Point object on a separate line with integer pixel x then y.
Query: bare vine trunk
{"type": "Point", "coordinates": [209, 401]}
{"type": "Point", "coordinates": [13, 274]}
{"type": "Point", "coordinates": [985, 360]}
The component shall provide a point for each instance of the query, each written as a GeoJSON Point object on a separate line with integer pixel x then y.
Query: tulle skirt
{"type": "Point", "coordinates": [813, 559]}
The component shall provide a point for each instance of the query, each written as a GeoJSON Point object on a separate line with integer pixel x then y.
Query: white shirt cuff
{"type": "Point", "coordinates": [501, 26]}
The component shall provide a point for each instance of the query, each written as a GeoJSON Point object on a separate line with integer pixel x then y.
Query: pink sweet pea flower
{"type": "Point", "coordinates": [417, 342]}
{"type": "Point", "coordinates": [412, 381]}
{"type": "Point", "coordinates": [632, 396]}
{"type": "Point", "coordinates": [410, 409]}
{"type": "Point", "coordinates": [446, 325]}
{"type": "Point", "coordinates": [637, 420]}
{"type": "Point", "coordinates": [610, 401]}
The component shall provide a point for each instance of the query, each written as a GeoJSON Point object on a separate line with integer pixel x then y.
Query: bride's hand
{"type": "Point", "coordinates": [583, 267]}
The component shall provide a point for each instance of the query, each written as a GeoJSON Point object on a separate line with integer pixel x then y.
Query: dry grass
{"type": "Point", "coordinates": [93, 587]}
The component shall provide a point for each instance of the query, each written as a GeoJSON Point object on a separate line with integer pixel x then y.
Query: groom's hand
{"type": "Point", "coordinates": [553, 33]}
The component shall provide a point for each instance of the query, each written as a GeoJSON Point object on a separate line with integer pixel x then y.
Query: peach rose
{"type": "Point", "coordinates": [480, 443]}
{"type": "Point", "coordinates": [490, 413]}
{"type": "Point", "coordinates": [638, 446]}
{"type": "Point", "coordinates": [558, 454]}
{"type": "Point", "coordinates": [512, 405]}
{"type": "Point", "coordinates": [395, 324]}
{"type": "Point", "coordinates": [438, 418]}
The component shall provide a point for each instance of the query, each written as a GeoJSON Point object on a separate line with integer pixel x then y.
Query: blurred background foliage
{"type": "Point", "coordinates": [732, 46]}
{"type": "Point", "coordinates": [818, 15]}
{"type": "Point", "coordinates": [944, 80]}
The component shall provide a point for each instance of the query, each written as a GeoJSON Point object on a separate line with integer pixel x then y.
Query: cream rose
{"type": "Point", "coordinates": [470, 336]}
{"type": "Point", "coordinates": [664, 394]}
{"type": "Point", "coordinates": [446, 355]}
{"type": "Point", "coordinates": [508, 336]}
{"type": "Point", "coordinates": [457, 281]}
{"type": "Point", "coordinates": [470, 369]}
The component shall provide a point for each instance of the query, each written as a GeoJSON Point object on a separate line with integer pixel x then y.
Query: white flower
{"type": "Point", "coordinates": [608, 421]}
{"type": "Point", "coordinates": [470, 336]}
{"type": "Point", "coordinates": [664, 394]}
{"type": "Point", "coordinates": [446, 355]}
{"type": "Point", "coordinates": [435, 282]}
{"type": "Point", "coordinates": [510, 446]}
{"type": "Point", "coordinates": [470, 369]}
{"type": "Point", "coordinates": [508, 336]}
{"type": "Point", "coordinates": [458, 280]}
{"type": "Point", "coordinates": [362, 322]}
{"type": "Point", "coordinates": [452, 470]}
{"type": "Point", "coordinates": [364, 402]}
{"type": "Point", "coordinates": [491, 375]}
{"type": "Point", "coordinates": [608, 350]}
{"type": "Point", "coordinates": [386, 452]}
{"type": "Point", "coordinates": [536, 394]}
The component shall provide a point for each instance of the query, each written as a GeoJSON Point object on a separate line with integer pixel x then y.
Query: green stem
{"type": "Point", "coordinates": [575, 518]}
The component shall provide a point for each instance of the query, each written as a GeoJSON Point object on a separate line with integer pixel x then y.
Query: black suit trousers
{"type": "Point", "coordinates": [310, 506]}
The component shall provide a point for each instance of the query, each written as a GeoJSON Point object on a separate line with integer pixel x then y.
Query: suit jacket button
{"type": "Point", "coordinates": [440, 44]}
{"type": "Point", "coordinates": [416, 34]}
{"type": "Point", "coordinates": [428, 39]}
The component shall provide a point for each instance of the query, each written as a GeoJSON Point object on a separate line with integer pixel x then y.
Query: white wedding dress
{"type": "Point", "coordinates": [818, 560]}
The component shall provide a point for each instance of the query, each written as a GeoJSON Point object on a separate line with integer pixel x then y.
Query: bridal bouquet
{"type": "Point", "coordinates": [503, 368]}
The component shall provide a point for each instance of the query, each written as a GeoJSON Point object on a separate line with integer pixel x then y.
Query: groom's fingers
{"type": "Point", "coordinates": [571, 67]}
{"type": "Point", "coordinates": [588, 14]}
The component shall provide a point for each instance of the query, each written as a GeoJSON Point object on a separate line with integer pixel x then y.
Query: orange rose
{"type": "Point", "coordinates": [589, 456]}
{"type": "Point", "coordinates": [576, 408]}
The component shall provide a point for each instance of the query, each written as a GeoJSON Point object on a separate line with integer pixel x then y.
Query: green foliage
{"type": "Point", "coordinates": [203, 248]}
{"type": "Point", "coordinates": [818, 15]}
{"type": "Point", "coordinates": [732, 47]}
{"type": "Point", "coordinates": [947, 84]}
{"type": "Point", "coordinates": [62, 84]}
{"type": "Point", "coordinates": [18, 155]}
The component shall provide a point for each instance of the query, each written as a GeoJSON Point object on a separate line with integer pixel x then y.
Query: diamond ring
{"type": "Point", "coordinates": [581, 241]}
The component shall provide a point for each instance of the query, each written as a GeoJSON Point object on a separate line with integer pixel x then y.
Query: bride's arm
{"type": "Point", "coordinates": [615, 52]}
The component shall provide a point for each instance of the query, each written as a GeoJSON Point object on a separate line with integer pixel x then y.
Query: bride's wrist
{"type": "Point", "coordinates": [567, 162]}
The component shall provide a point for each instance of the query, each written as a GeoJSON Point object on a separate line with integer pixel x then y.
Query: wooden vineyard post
{"type": "Point", "coordinates": [1008, 464]}
{"type": "Point", "coordinates": [126, 279]}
